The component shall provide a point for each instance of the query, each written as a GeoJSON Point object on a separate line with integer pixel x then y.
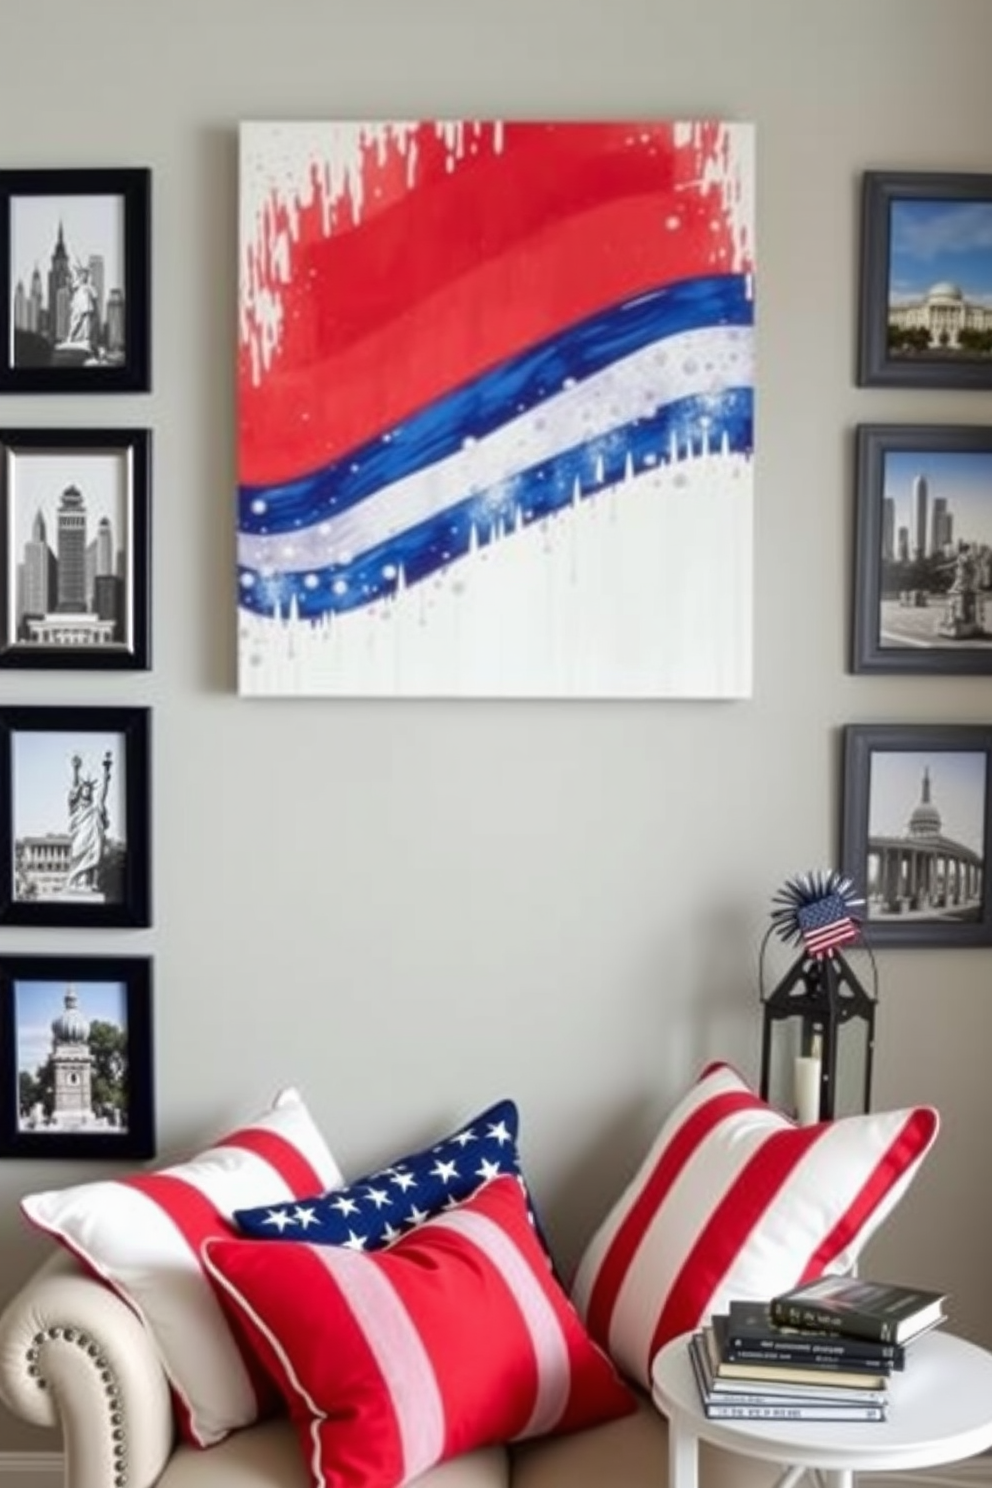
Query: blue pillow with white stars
{"type": "Point", "coordinates": [377, 1209]}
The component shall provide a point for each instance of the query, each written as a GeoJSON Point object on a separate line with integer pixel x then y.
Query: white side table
{"type": "Point", "coordinates": [940, 1410]}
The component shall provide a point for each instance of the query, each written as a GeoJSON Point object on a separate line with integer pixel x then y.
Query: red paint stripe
{"type": "Point", "coordinates": [476, 265]}
{"type": "Point", "coordinates": [731, 1223]}
{"type": "Point", "coordinates": [677, 1152]}
{"type": "Point", "coordinates": [295, 1169]}
{"type": "Point", "coordinates": [906, 1149]}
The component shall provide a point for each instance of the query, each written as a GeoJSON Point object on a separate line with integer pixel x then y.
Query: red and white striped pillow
{"type": "Point", "coordinates": [142, 1235]}
{"type": "Point", "coordinates": [454, 1337]}
{"type": "Point", "coordinates": [735, 1201]}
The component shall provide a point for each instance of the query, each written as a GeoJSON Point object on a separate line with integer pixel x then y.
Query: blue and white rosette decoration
{"type": "Point", "coordinates": [819, 910]}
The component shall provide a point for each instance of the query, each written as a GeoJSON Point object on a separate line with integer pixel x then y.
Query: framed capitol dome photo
{"type": "Point", "coordinates": [926, 280]}
{"type": "Point", "coordinates": [916, 828]}
{"type": "Point", "coordinates": [76, 1066]}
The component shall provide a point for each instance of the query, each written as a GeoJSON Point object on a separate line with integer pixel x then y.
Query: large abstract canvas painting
{"type": "Point", "coordinates": [495, 409]}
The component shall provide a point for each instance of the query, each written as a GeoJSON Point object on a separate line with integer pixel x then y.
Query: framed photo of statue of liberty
{"type": "Point", "coordinates": [74, 548]}
{"type": "Point", "coordinates": [75, 250]}
{"type": "Point", "coordinates": [75, 820]}
{"type": "Point", "coordinates": [76, 1068]}
{"type": "Point", "coordinates": [926, 280]}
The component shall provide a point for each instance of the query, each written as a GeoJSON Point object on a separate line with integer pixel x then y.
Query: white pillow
{"type": "Point", "coordinates": [142, 1234]}
{"type": "Point", "coordinates": [735, 1201]}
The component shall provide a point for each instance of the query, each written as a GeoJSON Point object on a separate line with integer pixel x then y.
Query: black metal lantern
{"type": "Point", "coordinates": [818, 1027]}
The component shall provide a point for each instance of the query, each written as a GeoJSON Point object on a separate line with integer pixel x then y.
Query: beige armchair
{"type": "Point", "coordinates": [75, 1358]}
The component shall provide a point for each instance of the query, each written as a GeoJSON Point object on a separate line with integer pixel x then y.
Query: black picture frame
{"type": "Point", "coordinates": [75, 272]}
{"type": "Point", "coordinates": [75, 841]}
{"type": "Point", "coordinates": [76, 1065]}
{"type": "Point", "coordinates": [923, 549]}
{"type": "Point", "coordinates": [922, 271]}
{"type": "Point", "coordinates": [66, 494]}
{"type": "Point", "coordinates": [916, 829]}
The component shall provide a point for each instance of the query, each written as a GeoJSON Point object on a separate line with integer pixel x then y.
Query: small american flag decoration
{"type": "Point", "coordinates": [820, 910]}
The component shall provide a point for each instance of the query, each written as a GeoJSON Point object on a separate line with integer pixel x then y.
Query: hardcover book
{"type": "Point", "coordinates": [775, 1408]}
{"type": "Point", "coordinates": [753, 1336]}
{"type": "Point", "coordinates": [761, 1391]}
{"type": "Point", "coordinates": [881, 1310]}
{"type": "Point", "coordinates": [715, 1333]}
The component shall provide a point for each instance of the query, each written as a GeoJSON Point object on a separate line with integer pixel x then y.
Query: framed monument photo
{"type": "Point", "coordinates": [916, 830]}
{"type": "Point", "coordinates": [926, 280]}
{"type": "Point", "coordinates": [923, 549]}
{"type": "Point", "coordinates": [75, 249]}
{"type": "Point", "coordinates": [76, 1069]}
{"type": "Point", "coordinates": [75, 820]}
{"type": "Point", "coordinates": [74, 544]}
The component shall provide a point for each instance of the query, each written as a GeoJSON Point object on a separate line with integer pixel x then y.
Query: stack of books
{"type": "Point", "coordinates": [823, 1352]}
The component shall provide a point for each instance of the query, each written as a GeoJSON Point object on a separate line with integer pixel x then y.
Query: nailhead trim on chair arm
{"type": "Point", "coordinates": [111, 1387]}
{"type": "Point", "coordinates": [75, 1357]}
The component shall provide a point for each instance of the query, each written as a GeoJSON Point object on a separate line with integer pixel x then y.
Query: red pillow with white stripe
{"type": "Point", "coordinates": [142, 1235]}
{"type": "Point", "coordinates": [454, 1337]}
{"type": "Point", "coordinates": [735, 1201]}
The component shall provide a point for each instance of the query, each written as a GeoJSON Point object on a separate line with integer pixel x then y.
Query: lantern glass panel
{"type": "Point", "coordinates": [786, 1037]}
{"type": "Point", "coordinates": [853, 1038]}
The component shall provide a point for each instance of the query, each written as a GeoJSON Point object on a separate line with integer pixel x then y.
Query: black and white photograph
{"type": "Point", "coordinates": [74, 519]}
{"type": "Point", "coordinates": [916, 831]}
{"type": "Point", "coordinates": [923, 553]}
{"type": "Point", "coordinates": [74, 816]}
{"type": "Point", "coordinates": [74, 249]}
{"type": "Point", "coordinates": [926, 280]}
{"type": "Point", "coordinates": [76, 1079]}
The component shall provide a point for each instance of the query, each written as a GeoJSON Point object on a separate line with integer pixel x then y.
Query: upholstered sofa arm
{"type": "Point", "coordinates": [74, 1356]}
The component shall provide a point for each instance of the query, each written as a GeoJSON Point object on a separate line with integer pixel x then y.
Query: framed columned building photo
{"type": "Point", "coordinates": [916, 831]}
{"type": "Point", "coordinates": [926, 280]}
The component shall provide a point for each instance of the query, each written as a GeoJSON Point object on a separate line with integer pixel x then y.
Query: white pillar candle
{"type": "Point", "coordinates": [806, 1088]}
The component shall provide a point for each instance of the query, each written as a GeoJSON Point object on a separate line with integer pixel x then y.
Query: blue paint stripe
{"type": "Point", "coordinates": [494, 515]}
{"type": "Point", "coordinates": [493, 399]}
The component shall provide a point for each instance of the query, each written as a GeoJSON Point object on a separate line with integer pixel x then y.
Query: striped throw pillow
{"type": "Point", "coordinates": [735, 1201]}
{"type": "Point", "coordinates": [454, 1337]}
{"type": "Point", "coordinates": [142, 1235]}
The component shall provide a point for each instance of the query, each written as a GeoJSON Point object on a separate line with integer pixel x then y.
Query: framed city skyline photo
{"type": "Point", "coordinates": [74, 268]}
{"type": "Point", "coordinates": [76, 1068]}
{"type": "Point", "coordinates": [915, 831]}
{"type": "Point", "coordinates": [923, 549]}
{"type": "Point", "coordinates": [926, 280]}
{"type": "Point", "coordinates": [75, 816]}
{"type": "Point", "coordinates": [74, 536]}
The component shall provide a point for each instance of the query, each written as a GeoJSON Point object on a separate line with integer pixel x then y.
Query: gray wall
{"type": "Point", "coordinates": [411, 909]}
